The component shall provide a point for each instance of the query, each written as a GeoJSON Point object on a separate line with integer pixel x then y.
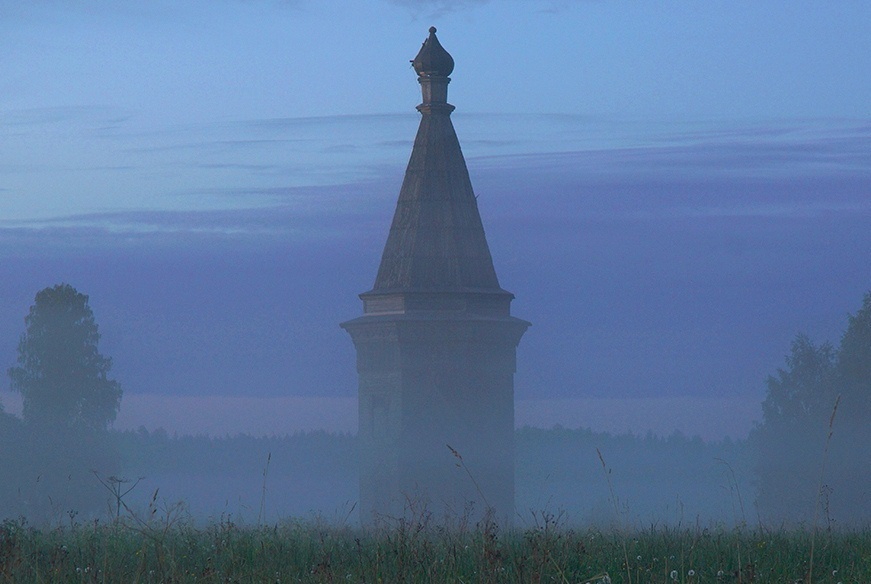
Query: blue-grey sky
{"type": "Point", "coordinates": [673, 190]}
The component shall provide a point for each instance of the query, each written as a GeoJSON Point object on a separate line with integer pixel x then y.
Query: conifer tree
{"type": "Point", "coordinates": [61, 375]}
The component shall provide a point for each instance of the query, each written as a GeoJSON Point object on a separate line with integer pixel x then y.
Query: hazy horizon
{"type": "Point", "coordinates": [672, 193]}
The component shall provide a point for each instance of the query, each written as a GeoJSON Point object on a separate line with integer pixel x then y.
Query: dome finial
{"type": "Point", "coordinates": [433, 60]}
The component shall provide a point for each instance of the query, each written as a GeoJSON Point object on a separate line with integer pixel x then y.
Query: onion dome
{"type": "Point", "coordinates": [433, 60]}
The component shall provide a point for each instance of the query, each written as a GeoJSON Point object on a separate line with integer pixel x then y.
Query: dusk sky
{"type": "Point", "coordinates": [673, 191]}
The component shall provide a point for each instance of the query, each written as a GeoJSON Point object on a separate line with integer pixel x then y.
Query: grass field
{"type": "Point", "coordinates": [164, 548]}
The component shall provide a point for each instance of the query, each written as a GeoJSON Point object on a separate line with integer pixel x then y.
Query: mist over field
{"type": "Point", "coordinates": [660, 303]}
{"type": "Point", "coordinates": [683, 218]}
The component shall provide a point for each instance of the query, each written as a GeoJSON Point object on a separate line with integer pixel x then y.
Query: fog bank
{"type": "Point", "coordinates": [710, 418]}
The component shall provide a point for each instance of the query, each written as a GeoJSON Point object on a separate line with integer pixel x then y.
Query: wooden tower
{"type": "Point", "coordinates": [436, 343]}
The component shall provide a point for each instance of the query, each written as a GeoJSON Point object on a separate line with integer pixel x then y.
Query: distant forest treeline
{"type": "Point", "coordinates": [159, 452]}
{"type": "Point", "coordinates": [558, 471]}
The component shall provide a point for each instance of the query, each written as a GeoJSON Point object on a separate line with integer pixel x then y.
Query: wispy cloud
{"type": "Point", "coordinates": [786, 170]}
{"type": "Point", "coordinates": [289, 214]}
{"type": "Point", "coordinates": [760, 171]}
{"type": "Point", "coordinates": [95, 116]}
{"type": "Point", "coordinates": [436, 8]}
{"type": "Point", "coordinates": [17, 8]}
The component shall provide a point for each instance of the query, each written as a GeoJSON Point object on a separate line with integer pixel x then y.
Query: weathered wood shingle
{"type": "Point", "coordinates": [436, 240]}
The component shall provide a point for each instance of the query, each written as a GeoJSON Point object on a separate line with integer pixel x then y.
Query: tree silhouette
{"type": "Point", "coordinates": [802, 394]}
{"type": "Point", "coordinates": [61, 375]}
{"type": "Point", "coordinates": [854, 367]}
{"type": "Point", "coordinates": [802, 443]}
{"type": "Point", "coordinates": [851, 445]}
{"type": "Point", "coordinates": [790, 440]}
